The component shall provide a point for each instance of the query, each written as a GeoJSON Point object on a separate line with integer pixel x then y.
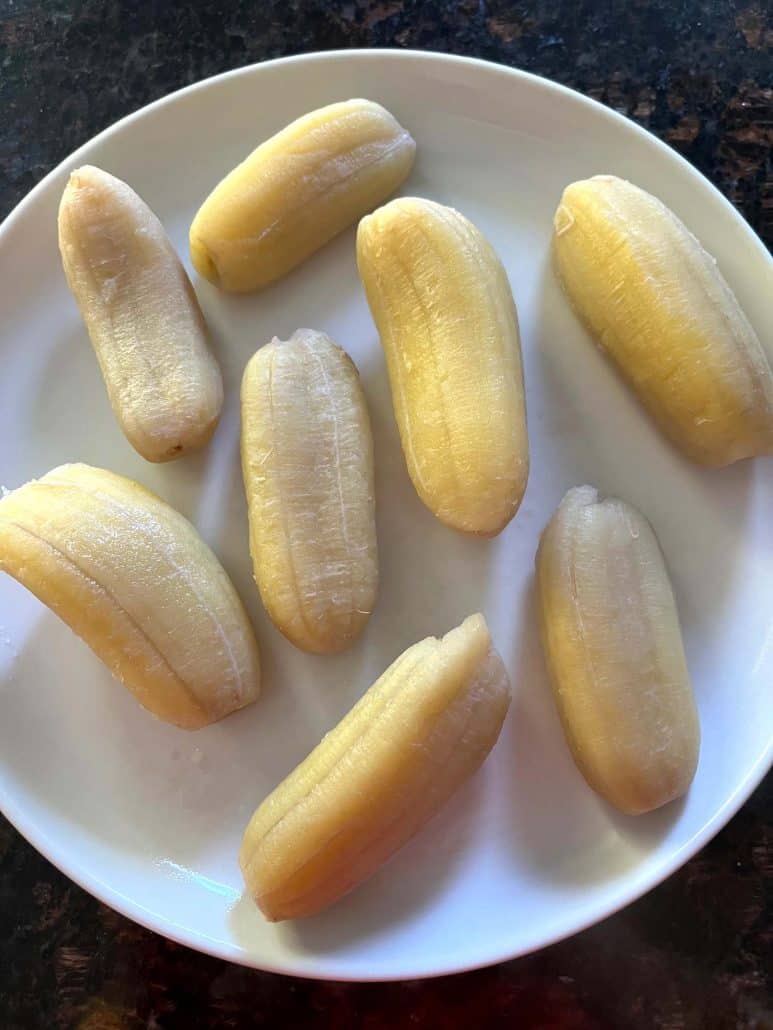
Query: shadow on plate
{"type": "Point", "coordinates": [72, 421]}
{"type": "Point", "coordinates": [76, 741]}
{"type": "Point", "coordinates": [312, 296]}
{"type": "Point", "coordinates": [397, 893]}
{"type": "Point", "coordinates": [431, 576]}
{"type": "Point", "coordinates": [70, 418]}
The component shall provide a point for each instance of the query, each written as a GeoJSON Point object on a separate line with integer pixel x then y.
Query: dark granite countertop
{"type": "Point", "coordinates": [698, 951]}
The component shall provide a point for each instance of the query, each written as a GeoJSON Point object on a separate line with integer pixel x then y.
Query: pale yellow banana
{"type": "Point", "coordinates": [307, 459]}
{"type": "Point", "coordinates": [385, 770]}
{"type": "Point", "coordinates": [297, 191]}
{"type": "Point", "coordinates": [659, 307]}
{"type": "Point", "coordinates": [142, 316]}
{"type": "Point", "coordinates": [443, 307]}
{"type": "Point", "coordinates": [133, 578]}
{"type": "Point", "coordinates": [614, 652]}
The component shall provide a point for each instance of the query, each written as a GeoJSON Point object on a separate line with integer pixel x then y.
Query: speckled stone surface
{"type": "Point", "coordinates": [695, 954]}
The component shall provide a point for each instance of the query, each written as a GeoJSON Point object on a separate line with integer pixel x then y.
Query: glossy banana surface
{"type": "Point", "coordinates": [444, 310]}
{"type": "Point", "coordinates": [133, 578]}
{"type": "Point", "coordinates": [420, 731]}
{"type": "Point", "coordinates": [659, 307]}
{"type": "Point", "coordinates": [297, 191]}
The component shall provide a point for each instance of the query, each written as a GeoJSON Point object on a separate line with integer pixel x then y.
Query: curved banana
{"type": "Point", "coordinates": [297, 191]}
{"type": "Point", "coordinates": [659, 308]}
{"type": "Point", "coordinates": [445, 313]}
{"type": "Point", "coordinates": [133, 578]}
{"type": "Point", "coordinates": [142, 316]}
{"type": "Point", "coordinates": [385, 770]}
{"type": "Point", "coordinates": [307, 459]}
{"type": "Point", "coordinates": [614, 652]}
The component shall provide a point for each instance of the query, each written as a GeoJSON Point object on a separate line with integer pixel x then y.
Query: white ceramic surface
{"type": "Point", "coordinates": [149, 818]}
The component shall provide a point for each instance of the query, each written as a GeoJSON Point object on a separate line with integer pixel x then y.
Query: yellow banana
{"type": "Point", "coordinates": [307, 458]}
{"type": "Point", "coordinates": [385, 770]}
{"type": "Point", "coordinates": [297, 191]}
{"type": "Point", "coordinates": [659, 308]}
{"type": "Point", "coordinates": [445, 313]}
{"type": "Point", "coordinates": [142, 316]}
{"type": "Point", "coordinates": [133, 578]}
{"type": "Point", "coordinates": [614, 652]}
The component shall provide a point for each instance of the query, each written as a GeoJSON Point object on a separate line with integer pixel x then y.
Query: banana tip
{"type": "Point", "coordinates": [203, 261]}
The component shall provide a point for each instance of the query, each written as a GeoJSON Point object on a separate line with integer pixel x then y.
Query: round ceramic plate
{"type": "Point", "coordinates": [149, 818]}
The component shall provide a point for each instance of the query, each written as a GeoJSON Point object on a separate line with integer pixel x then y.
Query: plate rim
{"type": "Point", "coordinates": [37, 836]}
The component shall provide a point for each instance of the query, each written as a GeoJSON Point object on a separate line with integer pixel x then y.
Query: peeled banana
{"type": "Point", "coordinates": [386, 769]}
{"type": "Point", "coordinates": [442, 304]}
{"type": "Point", "coordinates": [142, 316]}
{"type": "Point", "coordinates": [614, 652]}
{"type": "Point", "coordinates": [307, 459]}
{"type": "Point", "coordinates": [297, 191]}
{"type": "Point", "coordinates": [132, 577]}
{"type": "Point", "coordinates": [659, 308]}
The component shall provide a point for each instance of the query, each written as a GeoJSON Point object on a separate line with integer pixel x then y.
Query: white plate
{"type": "Point", "coordinates": [148, 818]}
